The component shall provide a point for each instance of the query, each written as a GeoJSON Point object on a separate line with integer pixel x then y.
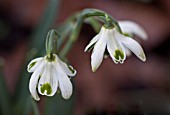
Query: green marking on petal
{"type": "Point", "coordinates": [46, 87]}
{"type": "Point", "coordinates": [118, 55]}
{"type": "Point", "coordinates": [126, 34]}
{"type": "Point", "coordinates": [32, 64]}
{"type": "Point", "coordinates": [71, 69]}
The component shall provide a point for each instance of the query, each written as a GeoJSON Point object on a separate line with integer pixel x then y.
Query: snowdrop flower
{"type": "Point", "coordinates": [114, 43]}
{"type": "Point", "coordinates": [49, 75]}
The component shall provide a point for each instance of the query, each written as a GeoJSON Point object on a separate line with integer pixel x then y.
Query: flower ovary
{"type": "Point", "coordinates": [51, 58]}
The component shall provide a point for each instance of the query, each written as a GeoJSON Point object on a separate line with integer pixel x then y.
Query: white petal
{"type": "Point", "coordinates": [133, 28]}
{"type": "Point", "coordinates": [114, 45]}
{"type": "Point", "coordinates": [48, 82]}
{"type": "Point", "coordinates": [69, 70]}
{"type": "Point", "coordinates": [98, 51]}
{"type": "Point", "coordinates": [128, 52]}
{"type": "Point", "coordinates": [44, 78]}
{"type": "Point", "coordinates": [65, 84]}
{"type": "Point", "coordinates": [53, 81]}
{"type": "Point", "coordinates": [132, 45]}
{"type": "Point", "coordinates": [34, 80]}
{"type": "Point", "coordinates": [32, 66]}
{"type": "Point", "coordinates": [94, 40]}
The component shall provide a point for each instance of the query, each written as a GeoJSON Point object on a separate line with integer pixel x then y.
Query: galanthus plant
{"type": "Point", "coordinates": [50, 73]}
{"type": "Point", "coordinates": [114, 39]}
{"type": "Point", "coordinates": [116, 43]}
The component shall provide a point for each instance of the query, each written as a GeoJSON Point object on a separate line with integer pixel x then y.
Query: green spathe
{"type": "Point", "coordinates": [51, 42]}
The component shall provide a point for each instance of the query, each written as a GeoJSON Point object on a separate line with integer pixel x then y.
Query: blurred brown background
{"type": "Point", "coordinates": [132, 88]}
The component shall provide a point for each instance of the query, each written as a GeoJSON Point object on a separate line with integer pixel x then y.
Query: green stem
{"type": "Point", "coordinates": [73, 37]}
{"type": "Point", "coordinates": [102, 15]}
{"type": "Point", "coordinates": [64, 30]}
{"type": "Point", "coordinates": [4, 96]}
{"type": "Point", "coordinates": [35, 108]}
{"type": "Point", "coordinates": [80, 17]}
{"type": "Point", "coordinates": [37, 43]}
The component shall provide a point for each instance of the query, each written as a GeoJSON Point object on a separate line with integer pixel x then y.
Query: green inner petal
{"type": "Point", "coordinates": [32, 64]}
{"type": "Point", "coordinates": [119, 55]}
{"type": "Point", "coordinates": [46, 87]}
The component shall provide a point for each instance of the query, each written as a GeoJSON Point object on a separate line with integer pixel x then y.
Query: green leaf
{"type": "Point", "coordinates": [27, 106]}
{"type": "Point", "coordinates": [56, 105]}
{"type": "Point", "coordinates": [39, 35]}
{"type": "Point", "coordinates": [73, 37]}
{"type": "Point", "coordinates": [64, 30]}
{"type": "Point", "coordinates": [37, 43]}
{"type": "Point", "coordinates": [5, 107]}
{"type": "Point", "coordinates": [35, 108]}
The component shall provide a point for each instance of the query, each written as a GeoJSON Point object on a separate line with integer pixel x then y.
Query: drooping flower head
{"type": "Point", "coordinates": [115, 43]}
{"type": "Point", "coordinates": [49, 76]}
{"type": "Point", "coordinates": [49, 72]}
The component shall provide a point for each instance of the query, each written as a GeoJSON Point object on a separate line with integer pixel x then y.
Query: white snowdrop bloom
{"type": "Point", "coordinates": [114, 43]}
{"type": "Point", "coordinates": [49, 75]}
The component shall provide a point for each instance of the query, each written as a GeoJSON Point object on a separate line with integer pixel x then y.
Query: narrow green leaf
{"type": "Point", "coordinates": [73, 37]}
{"type": "Point", "coordinates": [56, 105]}
{"type": "Point", "coordinates": [64, 30]}
{"type": "Point", "coordinates": [27, 106]}
{"type": "Point", "coordinates": [39, 35]}
{"type": "Point", "coordinates": [35, 108]}
{"type": "Point", "coordinates": [37, 43]}
{"type": "Point", "coordinates": [4, 97]}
